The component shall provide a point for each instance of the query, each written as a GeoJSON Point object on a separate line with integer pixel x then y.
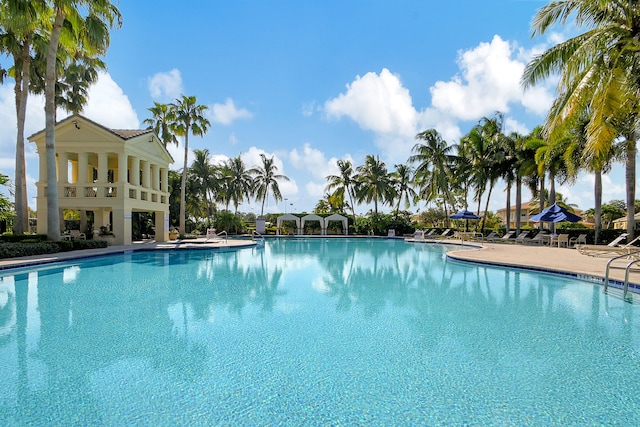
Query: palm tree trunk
{"type": "Point", "coordinates": [597, 190]}
{"type": "Point", "coordinates": [23, 78]}
{"type": "Point", "coordinates": [486, 207]}
{"type": "Point", "coordinates": [518, 204]}
{"type": "Point", "coordinates": [183, 187]}
{"type": "Point", "coordinates": [630, 177]}
{"type": "Point", "coordinates": [508, 206]}
{"type": "Point", "coordinates": [53, 215]}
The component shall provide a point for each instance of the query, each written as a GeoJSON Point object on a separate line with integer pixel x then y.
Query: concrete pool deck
{"type": "Point", "coordinates": [538, 258]}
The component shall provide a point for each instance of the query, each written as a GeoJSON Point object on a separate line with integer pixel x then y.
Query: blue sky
{"type": "Point", "coordinates": [311, 82]}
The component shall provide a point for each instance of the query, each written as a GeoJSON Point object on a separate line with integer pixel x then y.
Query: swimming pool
{"type": "Point", "coordinates": [312, 332]}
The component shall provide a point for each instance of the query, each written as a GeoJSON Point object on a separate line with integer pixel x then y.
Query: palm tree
{"type": "Point", "coordinates": [189, 118]}
{"type": "Point", "coordinates": [204, 173]}
{"type": "Point", "coordinates": [433, 171]}
{"type": "Point", "coordinates": [374, 182]}
{"type": "Point", "coordinates": [92, 33]}
{"type": "Point", "coordinates": [266, 181]}
{"type": "Point", "coordinates": [599, 70]}
{"type": "Point", "coordinates": [162, 122]}
{"type": "Point", "coordinates": [402, 180]}
{"type": "Point", "coordinates": [483, 144]}
{"type": "Point", "coordinates": [19, 21]}
{"type": "Point", "coordinates": [240, 181]}
{"type": "Point", "coordinates": [344, 183]}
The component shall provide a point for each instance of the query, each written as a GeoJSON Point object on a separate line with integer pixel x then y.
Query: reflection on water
{"type": "Point", "coordinates": [105, 341]}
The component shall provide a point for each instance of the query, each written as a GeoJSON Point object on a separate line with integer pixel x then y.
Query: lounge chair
{"type": "Point", "coordinates": [491, 236]}
{"type": "Point", "coordinates": [520, 238]}
{"type": "Point", "coordinates": [538, 239]}
{"type": "Point", "coordinates": [580, 240]}
{"type": "Point", "coordinates": [444, 234]}
{"type": "Point", "coordinates": [612, 249]}
{"type": "Point", "coordinates": [504, 238]}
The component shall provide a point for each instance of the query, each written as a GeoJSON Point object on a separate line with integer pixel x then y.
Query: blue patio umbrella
{"type": "Point", "coordinates": [466, 215]}
{"type": "Point", "coordinates": [555, 213]}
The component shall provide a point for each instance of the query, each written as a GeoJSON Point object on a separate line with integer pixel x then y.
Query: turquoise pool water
{"type": "Point", "coordinates": [312, 332]}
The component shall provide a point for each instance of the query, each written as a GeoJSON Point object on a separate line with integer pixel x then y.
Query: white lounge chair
{"type": "Point", "coordinates": [612, 249]}
{"type": "Point", "coordinates": [563, 240]}
{"type": "Point", "coordinates": [504, 238]}
{"type": "Point", "coordinates": [538, 239]}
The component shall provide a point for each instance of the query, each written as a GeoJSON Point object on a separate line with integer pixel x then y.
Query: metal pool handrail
{"type": "Point", "coordinates": [606, 275]}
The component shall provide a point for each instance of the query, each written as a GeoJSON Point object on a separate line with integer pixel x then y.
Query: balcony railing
{"type": "Point", "coordinates": [111, 191]}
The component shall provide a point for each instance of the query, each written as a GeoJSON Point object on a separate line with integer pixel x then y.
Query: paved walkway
{"type": "Point", "coordinates": [200, 243]}
{"type": "Point", "coordinates": [557, 260]}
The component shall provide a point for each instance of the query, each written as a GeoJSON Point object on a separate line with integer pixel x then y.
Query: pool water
{"type": "Point", "coordinates": [312, 332]}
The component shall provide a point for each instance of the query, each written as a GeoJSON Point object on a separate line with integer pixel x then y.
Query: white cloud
{"type": "Point", "coordinates": [316, 189]}
{"type": "Point", "coordinates": [489, 82]}
{"type": "Point", "coordinates": [227, 112]}
{"type": "Point", "coordinates": [166, 86]}
{"type": "Point", "coordinates": [377, 102]}
{"type": "Point", "coordinates": [308, 109]}
{"type": "Point", "coordinates": [314, 161]}
{"type": "Point", "coordinates": [109, 106]}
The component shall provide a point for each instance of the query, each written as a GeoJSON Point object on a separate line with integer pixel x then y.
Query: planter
{"type": "Point", "coordinates": [173, 235]}
{"type": "Point", "coordinates": [109, 238]}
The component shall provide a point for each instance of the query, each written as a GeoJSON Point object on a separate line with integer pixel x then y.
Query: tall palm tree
{"type": "Point", "coordinates": [374, 182]}
{"type": "Point", "coordinates": [189, 119]}
{"type": "Point", "coordinates": [90, 31]}
{"type": "Point", "coordinates": [434, 163]}
{"type": "Point", "coordinates": [344, 183]}
{"type": "Point", "coordinates": [204, 173]}
{"type": "Point", "coordinates": [162, 122]}
{"type": "Point", "coordinates": [240, 181]}
{"type": "Point", "coordinates": [483, 144]}
{"type": "Point", "coordinates": [266, 181]}
{"type": "Point", "coordinates": [19, 22]}
{"type": "Point", "coordinates": [402, 180]}
{"type": "Point", "coordinates": [598, 71]}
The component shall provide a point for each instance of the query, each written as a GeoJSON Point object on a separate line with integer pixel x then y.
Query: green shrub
{"type": "Point", "coordinates": [13, 238]}
{"type": "Point", "coordinates": [89, 244]}
{"type": "Point", "coordinates": [20, 249]}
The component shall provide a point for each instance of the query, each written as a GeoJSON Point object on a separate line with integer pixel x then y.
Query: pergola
{"type": "Point", "coordinates": [289, 217]}
{"type": "Point", "coordinates": [337, 217]}
{"type": "Point", "coordinates": [314, 217]}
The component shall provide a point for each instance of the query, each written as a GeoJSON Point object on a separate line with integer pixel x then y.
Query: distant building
{"type": "Point", "coordinates": [112, 173]}
{"type": "Point", "coordinates": [524, 215]}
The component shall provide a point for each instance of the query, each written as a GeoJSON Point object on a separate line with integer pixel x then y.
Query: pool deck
{"type": "Point", "coordinates": [539, 258]}
{"type": "Point", "coordinates": [544, 258]}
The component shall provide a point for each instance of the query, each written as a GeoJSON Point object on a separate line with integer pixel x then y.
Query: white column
{"type": "Point", "coordinates": [135, 171]}
{"type": "Point", "coordinates": [145, 174]}
{"type": "Point", "coordinates": [155, 177]}
{"type": "Point", "coordinates": [122, 168]}
{"type": "Point", "coordinates": [103, 167]}
{"type": "Point", "coordinates": [63, 168]}
{"type": "Point", "coordinates": [165, 179]}
{"type": "Point", "coordinates": [83, 168]}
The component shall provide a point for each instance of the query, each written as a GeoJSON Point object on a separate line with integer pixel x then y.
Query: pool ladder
{"type": "Point", "coordinates": [626, 272]}
{"type": "Point", "coordinates": [259, 238]}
